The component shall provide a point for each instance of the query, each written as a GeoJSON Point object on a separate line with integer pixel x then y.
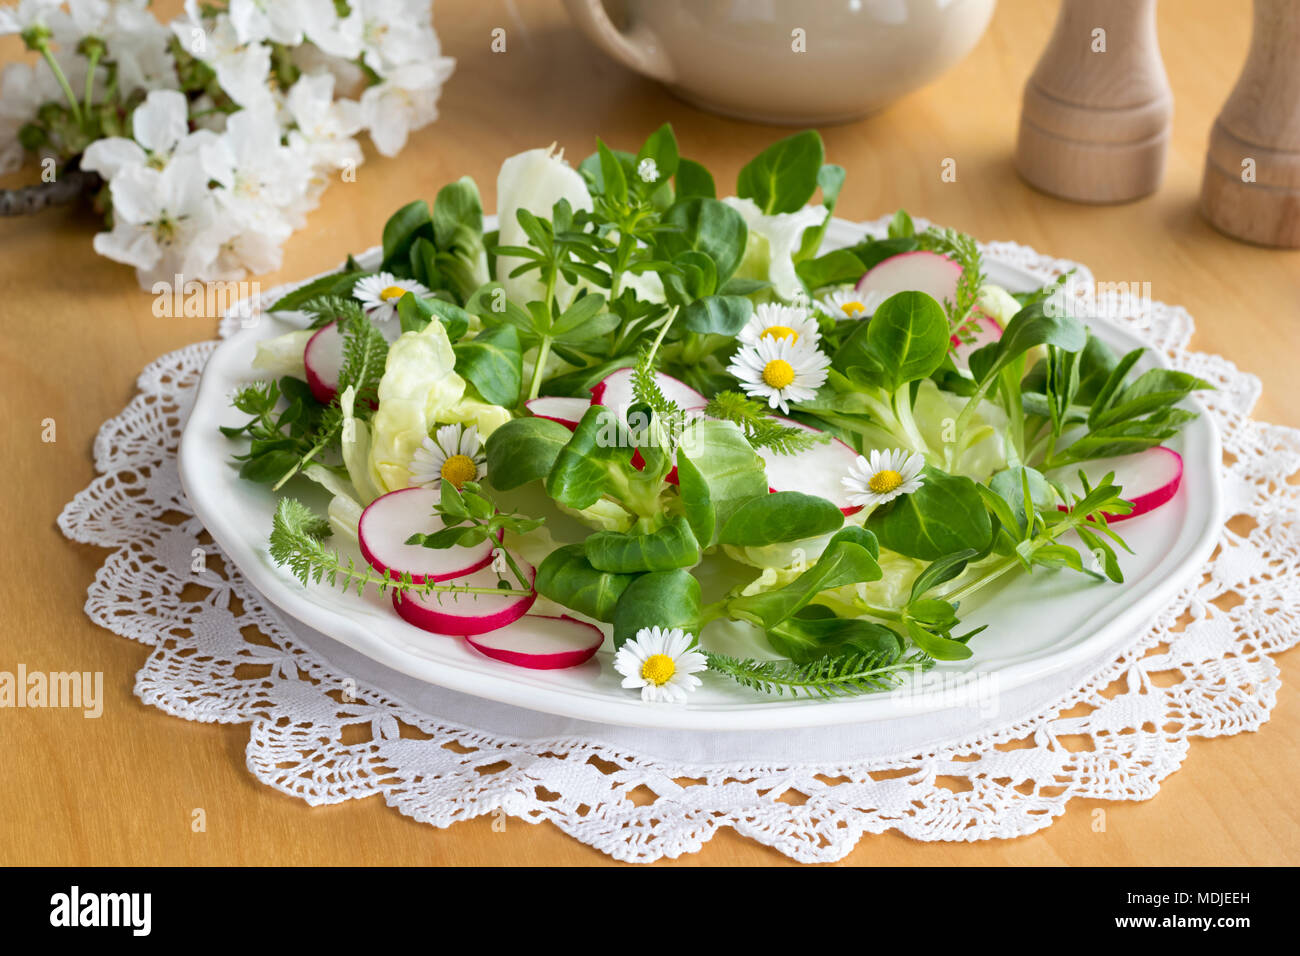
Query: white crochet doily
{"type": "Point", "coordinates": [328, 725]}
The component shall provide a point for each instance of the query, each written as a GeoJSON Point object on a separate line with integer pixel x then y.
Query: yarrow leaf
{"type": "Point", "coordinates": [761, 429]}
{"type": "Point", "coordinates": [823, 677]}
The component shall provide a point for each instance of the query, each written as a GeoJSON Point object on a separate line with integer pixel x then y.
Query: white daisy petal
{"type": "Point", "coordinates": [849, 303]}
{"type": "Point", "coordinates": [426, 465]}
{"type": "Point", "coordinates": [776, 321]}
{"type": "Point", "coordinates": [469, 441]}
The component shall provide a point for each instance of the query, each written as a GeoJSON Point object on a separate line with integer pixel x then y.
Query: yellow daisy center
{"type": "Point", "coordinates": [778, 373]}
{"type": "Point", "coordinates": [392, 292]}
{"type": "Point", "coordinates": [658, 669]}
{"type": "Point", "coordinates": [780, 332]}
{"type": "Point", "coordinates": [883, 482]}
{"type": "Point", "coordinates": [459, 469]}
{"type": "Point", "coordinates": [852, 308]}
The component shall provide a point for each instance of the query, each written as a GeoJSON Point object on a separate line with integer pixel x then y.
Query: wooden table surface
{"type": "Point", "coordinates": [77, 330]}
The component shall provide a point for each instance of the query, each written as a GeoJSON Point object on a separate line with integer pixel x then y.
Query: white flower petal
{"type": "Point", "coordinates": [110, 156]}
{"type": "Point", "coordinates": [161, 121]}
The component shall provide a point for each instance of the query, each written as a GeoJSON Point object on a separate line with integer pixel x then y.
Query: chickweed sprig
{"type": "Point", "coordinates": [469, 517]}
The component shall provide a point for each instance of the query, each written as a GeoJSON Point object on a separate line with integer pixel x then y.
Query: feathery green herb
{"type": "Point", "coordinates": [325, 309]}
{"type": "Point", "coordinates": [824, 677]}
{"type": "Point", "coordinates": [760, 428]}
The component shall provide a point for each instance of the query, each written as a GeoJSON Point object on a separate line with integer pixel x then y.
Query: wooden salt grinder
{"type": "Point", "coordinates": [1251, 188]}
{"type": "Point", "coordinates": [1097, 109]}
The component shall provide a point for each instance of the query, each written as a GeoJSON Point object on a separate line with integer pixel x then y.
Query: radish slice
{"type": "Point", "coordinates": [466, 614]}
{"type": "Point", "coordinates": [816, 471]}
{"type": "Point", "coordinates": [1149, 478]}
{"type": "Point", "coordinates": [918, 271]}
{"type": "Point", "coordinates": [615, 390]}
{"type": "Point", "coordinates": [392, 518]}
{"type": "Point", "coordinates": [541, 643]}
{"type": "Point", "coordinates": [323, 359]}
{"type": "Point", "coordinates": [567, 411]}
{"type": "Point", "coordinates": [987, 329]}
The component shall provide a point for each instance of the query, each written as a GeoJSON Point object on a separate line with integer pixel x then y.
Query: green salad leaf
{"type": "Point", "coordinates": [568, 578]}
{"type": "Point", "coordinates": [783, 177]}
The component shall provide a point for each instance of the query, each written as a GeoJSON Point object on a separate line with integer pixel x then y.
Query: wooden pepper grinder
{"type": "Point", "coordinates": [1251, 188]}
{"type": "Point", "coordinates": [1097, 109]}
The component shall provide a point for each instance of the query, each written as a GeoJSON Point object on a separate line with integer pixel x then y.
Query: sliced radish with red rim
{"type": "Point", "coordinates": [567, 411]}
{"type": "Point", "coordinates": [1149, 479]}
{"type": "Point", "coordinates": [465, 614]}
{"type": "Point", "coordinates": [816, 471]}
{"type": "Point", "coordinates": [919, 271]}
{"type": "Point", "coordinates": [541, 643]}
{"type": "Point", "coordinates": [392, 518]}
{"type": "Point", "coordinates": [615, 390]}
{"type": "Point", "coordinates": [986, 329]}
{"type": "Point", "coordinates": [323, 357]}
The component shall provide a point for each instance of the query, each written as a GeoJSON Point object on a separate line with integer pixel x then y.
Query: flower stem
{"type": "Point", "coordinates": [57, 70]}
{"type": "Point", "coordinates": [90, 76]}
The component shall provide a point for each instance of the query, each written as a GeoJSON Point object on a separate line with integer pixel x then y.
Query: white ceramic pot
{"type": "Point", "coordinates": [792, 62]}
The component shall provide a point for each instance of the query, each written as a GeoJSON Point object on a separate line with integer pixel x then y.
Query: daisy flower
{"type": "Point", "coordinates": [660, 662]}
{"type": "Point", "coordinates": [850, 304]}
{"type": "Point", "coordinates": [378, 294]}
{"type": "Point", "coordinates": [780, 371]}
{"type": "Point", "coordinates": [772, 321]}
{"type": "Point", "coordinates": [454, 453]}
{"type": "Point", "coordinates": [883, 476]}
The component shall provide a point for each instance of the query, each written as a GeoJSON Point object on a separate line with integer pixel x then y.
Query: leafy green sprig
{"type": "Point", "coordinates": [1029, 533]}
{"type": "Point", "coordinates": [1108, 414]}
{"type": "Point", "coordinates": [469, 517]}
{"type": "Point", "coordinates": [568, 329]}
{"type": "Point", "coordinates": [297, 543]}
{"type": "Point", "coordinates": [285, 420]}
{"type": "Point", "coordinates": [824, 677]}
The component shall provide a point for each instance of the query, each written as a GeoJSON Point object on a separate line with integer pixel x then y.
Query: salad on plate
{"type": "Point", "coordinates": [635, 412]}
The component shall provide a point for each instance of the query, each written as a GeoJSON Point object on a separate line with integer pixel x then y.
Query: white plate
{"type": "Point", "coordinates": [1037, 625]}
